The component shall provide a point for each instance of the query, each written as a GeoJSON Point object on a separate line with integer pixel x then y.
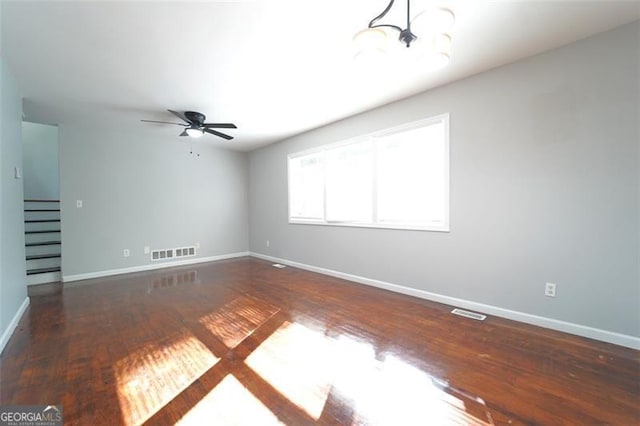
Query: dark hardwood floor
{"type": "Point", "coordinates": [241, 342]}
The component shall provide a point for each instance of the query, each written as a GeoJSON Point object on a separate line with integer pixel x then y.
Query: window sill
{"type": "Point", "coordinates": [442, 228]}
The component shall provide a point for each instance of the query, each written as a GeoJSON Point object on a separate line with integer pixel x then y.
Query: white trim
{"type": "Point", "coordinates": [107, 273]}
{"type": "Point", "coordinates": [8, 332]}
{"type": "Point", "coordinates": [430, 228]}
{"type": "Point", "coordinates": [423, 122]}
{"type": "Point", "coordinates": [554, 324]}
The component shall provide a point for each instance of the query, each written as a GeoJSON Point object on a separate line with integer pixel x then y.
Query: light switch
{"type": "Point", "coordinates": [17, 173]}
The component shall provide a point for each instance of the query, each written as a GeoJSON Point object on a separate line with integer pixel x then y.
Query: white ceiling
{"type": "Point", "coordinates": [274, 67]}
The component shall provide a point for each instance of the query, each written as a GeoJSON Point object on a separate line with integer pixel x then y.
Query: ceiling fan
{"type": "Point", "coordinates": [195, 126]}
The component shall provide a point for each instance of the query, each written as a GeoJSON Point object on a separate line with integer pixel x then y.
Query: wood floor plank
{"type": "Point", "coordinates": [241, 338]}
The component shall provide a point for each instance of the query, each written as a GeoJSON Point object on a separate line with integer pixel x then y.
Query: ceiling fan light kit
{"type": "Point", "coordinates": [428, 32]}
{"type": "Point", "coordinates": [194, 132]}
{"type": "Point", "coordinates": [195, 126]}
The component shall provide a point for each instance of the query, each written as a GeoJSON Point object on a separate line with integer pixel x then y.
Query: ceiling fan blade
{"type": "Point", "coordinates": [180, 115]}
{"type": "Point", "coordinates": [220, 125]}
{"type": "Point", "coordinates": [163, 122]}
{"type": "Point", "coordinates": [184, 133]}
{"type": "Point", "coordinates": [222, 135]}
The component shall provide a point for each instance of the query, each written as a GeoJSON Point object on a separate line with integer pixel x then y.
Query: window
{"type": "Point", "coordinates": [397, 178]}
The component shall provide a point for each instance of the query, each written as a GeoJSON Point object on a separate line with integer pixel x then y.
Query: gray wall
{"type": "Point", "coordinates": [13, 288]}
{"type": "Point", "coordinates": [544, 188]}
{"type": "Point", "coordinates": [139, 190]}
{"type": "Point", "coordinates": [40, 161]}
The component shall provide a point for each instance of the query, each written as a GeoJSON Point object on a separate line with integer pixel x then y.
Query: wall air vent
{"type": "Point", "coordinates": [469, 314]}
{"type": "Point", "coordinates": [172, 253]}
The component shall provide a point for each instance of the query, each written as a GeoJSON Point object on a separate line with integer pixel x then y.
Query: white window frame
{"type": "Point", "coordinates": [444, 227]}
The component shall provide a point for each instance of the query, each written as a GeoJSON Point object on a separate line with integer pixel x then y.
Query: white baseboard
{"type": "Point", "coordinates": [566, 327]}
{"type": "Point", "coordinates": [6, 335]}
{"type": "Point", "coordinates": [171, 264]}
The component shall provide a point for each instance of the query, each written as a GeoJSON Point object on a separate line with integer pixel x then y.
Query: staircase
{"type": "Point", "coordinates": [42, 241]}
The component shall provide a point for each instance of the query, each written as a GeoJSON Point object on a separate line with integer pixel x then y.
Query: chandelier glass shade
{"type": "Point", "coordinates": [433, 21]}
{"type": "Point", "coordinates": [370, 43]}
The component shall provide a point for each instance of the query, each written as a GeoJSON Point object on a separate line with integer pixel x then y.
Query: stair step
{"type": "Point", "coordinates": [42, 220]}
{"type": "Point", "coordinates": [42, 232]}
{"type": "Point", "coordinates": [41, 210]}
{"type": "Point", "coordinates": [48, 262]}
{"type": "Point", "coordinates": [43, 243]}
{"type": "Point", "coordinates": [47, 277]}
{"type": "Point", "coordinates": [43, 270]}
{"type": "Point", "coordinates": [43, 256]}
{"type": "Point", "coordinates": [33, 250]}
{"type": "Point", "coordinates": [41, 201]}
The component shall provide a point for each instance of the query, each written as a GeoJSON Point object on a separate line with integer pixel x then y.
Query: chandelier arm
{"type": "Point", "coordinates": [395, 27]}
{"type": "Point", "coordinates": [372, 23]}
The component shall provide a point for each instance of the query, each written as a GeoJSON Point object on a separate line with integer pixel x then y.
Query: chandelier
{"type": "Point", "coordinates": [428, 31]}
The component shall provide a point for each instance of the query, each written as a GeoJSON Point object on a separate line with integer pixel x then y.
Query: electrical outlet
{"type": "Point", "coordinates": [198, 245]}
{"type": "Point", "coordinates": [268, 243]}
{"type": "Point", "coordinates": [79, 204]}
{"type": "Point", "coordinates": [550, 290]}
{"type": "Point", "coordinates": [147, 249]}
{"type": "Point", "coordinates": [125, 252]}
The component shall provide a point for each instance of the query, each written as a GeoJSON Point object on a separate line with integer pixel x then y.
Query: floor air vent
{"type": "Point", "coordinates": [167, 254]}
{"type": "Point", "coordinates": [469, 314]}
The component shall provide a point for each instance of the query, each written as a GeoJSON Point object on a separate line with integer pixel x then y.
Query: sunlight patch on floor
{"type": "Point", "coordinates": [297, 361]}
{"type": "Point", "coordinates": [392, 392]}
{"type": "Point", "coordinates": [229, 403]}
{"type": "Point", "coordinates": [238, 319]}
{"type": "Point", "coordinates": [150, 377]}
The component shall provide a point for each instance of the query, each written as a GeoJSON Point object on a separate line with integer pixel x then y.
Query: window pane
{"type": "Point", "coordinates": [411, 176]}
{"type": "Point", "coordinates": [306, 186]}
{"type": "Point", "coordinates": [397, 178]}
{"type": "Point", "coordinates": [350, 183]}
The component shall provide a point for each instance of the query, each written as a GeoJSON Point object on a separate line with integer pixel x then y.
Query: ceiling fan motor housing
{"type": "Point", "coordinates": [195, 117]}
